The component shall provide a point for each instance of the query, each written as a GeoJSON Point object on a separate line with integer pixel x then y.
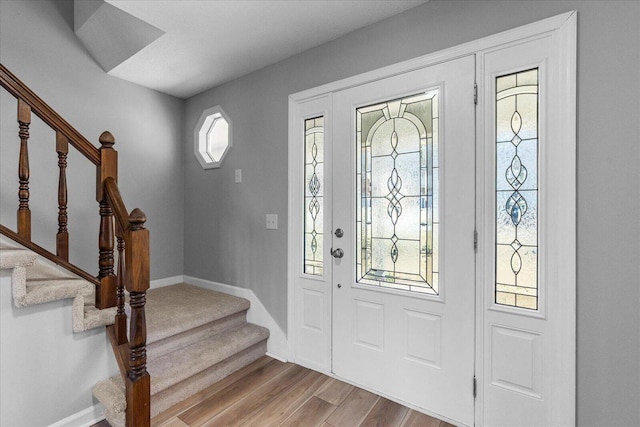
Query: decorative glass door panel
{"type": "Point", "coordinates": [517, 189]}
{"type": "Point", "coordinates": [397, 193]}
{"type": "Point", "coordinates": [314, 192]}
{"type": "Point", "coordinates": [403, 278]}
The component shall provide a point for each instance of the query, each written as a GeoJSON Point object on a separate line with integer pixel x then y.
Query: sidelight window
{"type": "Point", "coordinates": [516, 250]}
{"type": "Point", "coordinates": [313, 197]}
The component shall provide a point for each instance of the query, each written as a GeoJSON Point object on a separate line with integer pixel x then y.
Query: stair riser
{"type": "Point", "coordinates": [183, 339]}
{"type": "Point", "coordinates": [177, 393]}
{"type": "Point", "coordinates": [184, 389]}
{"type": "Point", "coordinates": [180, 365]}
{"type": "Point", "coordinates": [185, 356]}
{"type": "Point", "coordinates": [54, 290]}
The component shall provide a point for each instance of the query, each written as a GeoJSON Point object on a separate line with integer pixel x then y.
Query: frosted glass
{"type": "Point", "coordinates": [397, 188]}
{"type": "Point", "coordinates": [313, 195]}
{"type": "Point", "coordinates": [516, 180]}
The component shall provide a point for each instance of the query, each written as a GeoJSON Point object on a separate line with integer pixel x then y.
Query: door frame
{"type": "Point", "coordinates": [564, 29]}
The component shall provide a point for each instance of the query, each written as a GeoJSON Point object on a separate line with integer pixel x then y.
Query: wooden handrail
{"type": "Point", "coordinates": [18, 89]}
{"type": "Point", "coordinates": [117, 204]}
{"type": "Point", "coordinates": [132, 241]}
{"type": "Point", "coordinates": [48, 255]}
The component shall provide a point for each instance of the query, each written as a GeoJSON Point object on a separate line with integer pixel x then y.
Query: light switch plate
{"type": "Point", "coordinates": [238, 176]}
{"type": "Point", "coordinates": [272, 221]}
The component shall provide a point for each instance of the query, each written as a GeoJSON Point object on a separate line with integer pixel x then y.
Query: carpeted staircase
{"type": "Point", "coordinates": [195, 337]}
{"type": "Point", "coordinates": [35, 281]}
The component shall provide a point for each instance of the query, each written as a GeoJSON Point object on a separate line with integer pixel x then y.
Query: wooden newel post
{"type": "Point", "coordinates": [106, 291]}
{"type": "Point", "coordinates": [24, 213]}
{"type": "Point", "coordinates": [138, 384]}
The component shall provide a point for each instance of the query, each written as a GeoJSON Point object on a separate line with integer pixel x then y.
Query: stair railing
{"type": "Point", "coordinates": [128, 229]}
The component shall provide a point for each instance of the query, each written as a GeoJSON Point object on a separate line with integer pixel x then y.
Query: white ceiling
{"type": "Point", "coordinates": [209, 42]}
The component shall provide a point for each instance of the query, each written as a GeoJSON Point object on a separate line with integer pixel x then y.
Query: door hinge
{"type": "Point", "coordinates": [475, 240]}
{"type": "Point", "coordinates": [475, 387]}
{"type": "Point", "coordinates": [475, 94]}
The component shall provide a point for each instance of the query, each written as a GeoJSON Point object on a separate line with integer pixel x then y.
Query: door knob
{"type": "Point", "coordinates": [337, 253]}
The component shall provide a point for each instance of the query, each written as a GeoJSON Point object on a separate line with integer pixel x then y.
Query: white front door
{"type": "Point", "coordinates": [384, 288]}
{"type": "Point", "coordinates": [403, 268]}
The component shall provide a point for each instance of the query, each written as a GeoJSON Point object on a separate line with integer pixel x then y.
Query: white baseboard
{"type": "Point", "coordinates": [159, 283]}
{"type": "Point", "coordinates": [85, 418]}
{"type": "Point", "coordinates": [278, 345]}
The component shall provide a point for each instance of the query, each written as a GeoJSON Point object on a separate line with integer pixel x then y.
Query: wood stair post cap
{"type": "Point", "coordinates": [107, 139]}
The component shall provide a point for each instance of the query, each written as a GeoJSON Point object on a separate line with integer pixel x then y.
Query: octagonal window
{"type": "Point", "coordinates": [212, 137]}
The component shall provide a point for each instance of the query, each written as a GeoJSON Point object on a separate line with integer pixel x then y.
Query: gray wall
{"type": "Point", "coordinates": [37, 44]}
{"type": "Point", "coordinates": [225, 238]}
{"type": "Point", "coordinates": [225, 235]}
{"type": "Point", "coordinates": [47, 371]}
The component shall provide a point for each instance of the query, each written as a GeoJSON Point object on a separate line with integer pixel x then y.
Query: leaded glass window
{"type": "Point", "coordinates": [397, 210]}
{"type": "Point", "coordinates": [313, 199]}
{"type": "Point", "coordinates": [516, 250]}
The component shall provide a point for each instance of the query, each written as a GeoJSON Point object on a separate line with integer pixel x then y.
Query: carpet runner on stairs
{"type": "Point", "coordinates": [37, 281]}
{"type": "Point", "coordinates": [195, 337]}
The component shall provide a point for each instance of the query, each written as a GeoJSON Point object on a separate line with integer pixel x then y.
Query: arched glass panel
{"type": "Point", "coordinates": [397, 192]}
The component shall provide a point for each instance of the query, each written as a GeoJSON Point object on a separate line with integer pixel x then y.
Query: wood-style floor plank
{"type": "Point", "coordinates": [354, 408]}
{"type": "Point", "coordinates": [335, 391]}
{"type": "Point", "coordinates": [258, 398]}
{"type": "Point", "coordinates": [273, 393]}
{"type": "Point", "coordinates": [181, 407]}
{"type": "Point", "coordinates": [311, 414]}
{"type": "Point", "coordinates": [279, 408]}
{"type": "Point", "coordinates": [175, 422]}
{"type": "Point", "coordinates": [218, 402]}
{"type": "Point", "coordinates": [385, 414]}
{"type": "Point", "coordinates": [418, 419]}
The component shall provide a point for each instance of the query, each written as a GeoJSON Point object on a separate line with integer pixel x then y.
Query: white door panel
{"type": "Point", "coordinates": [416, 347]}
{"type": "Point", "coordinates": [526, 198]}
{"type": "Point", "coordinates": [312, 272]}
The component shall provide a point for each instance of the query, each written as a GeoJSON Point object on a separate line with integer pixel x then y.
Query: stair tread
{"type": "Point", "coordinates": [166, 318]}
{"type": "Point", "coordinates": [174, 367]}
{"type": "Point", "coordinates": [182, 364]}
{"type": "Point", "coordinates": [186, 338]}
{"type": "Point", "coordinates": [42, 291]}
{"type": "Point", "coordinates": [11, 257]}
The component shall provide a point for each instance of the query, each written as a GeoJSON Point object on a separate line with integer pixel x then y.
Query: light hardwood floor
{"type": "Point", "coordinates": [272, 393]}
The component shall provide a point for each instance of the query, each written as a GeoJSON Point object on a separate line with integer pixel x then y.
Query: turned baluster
{"type": "Point", "coordinates": [121, 317]}
{"type": "Point", "coordinates": [138, 383]}
{"type": "Point", "coordinates": [62, 238]}
{"type": "Point", "coordinates": [106, 261]}
{"type": "Point", "coordinates": [24, 213]}
{"type": "Point", "coordinates": [106, 291]}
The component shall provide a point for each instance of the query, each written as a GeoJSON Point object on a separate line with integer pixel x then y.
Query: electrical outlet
{"type": "Point", "coordinates": [272, 222]}
{"type": "Point", "coordinates": [238, 176]}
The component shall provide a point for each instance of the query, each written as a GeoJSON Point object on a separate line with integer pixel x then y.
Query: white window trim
{"type": "Point", "coordinates": [208, 162]}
